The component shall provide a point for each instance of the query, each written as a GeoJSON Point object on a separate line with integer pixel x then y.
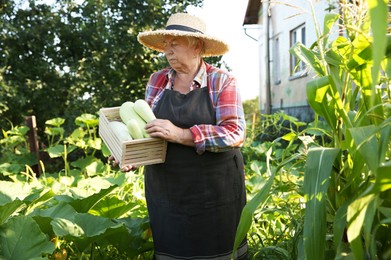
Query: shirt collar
{"type": "Point", "coordinates": [199, 80]}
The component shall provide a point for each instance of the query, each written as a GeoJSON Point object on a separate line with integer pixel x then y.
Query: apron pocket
{"type": "Point", "coordinates": [221, 181]}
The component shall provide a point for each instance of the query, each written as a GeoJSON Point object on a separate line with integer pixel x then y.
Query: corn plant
{"type": "Point", "coordinates": [272, 219]}
{"type": "Point", "coordinates": [347, 177]}
{"type": "Point", "coordinates": [347, 182]}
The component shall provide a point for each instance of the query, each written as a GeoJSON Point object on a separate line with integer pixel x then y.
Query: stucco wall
{"type": "Point", "coordinates": [290, 91]}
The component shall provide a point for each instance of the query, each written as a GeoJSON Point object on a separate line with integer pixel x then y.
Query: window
{"type": "Point", "coordinates": [276, 61]}
{"type": "Point", "coordinates": [297, 35]}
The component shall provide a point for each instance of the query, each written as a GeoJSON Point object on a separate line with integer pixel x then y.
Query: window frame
{"type": "Point", "coordinates": [297, 71]}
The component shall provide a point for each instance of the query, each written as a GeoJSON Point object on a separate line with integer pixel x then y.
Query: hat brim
{"type": "Point", "coordinates": [155, 41]}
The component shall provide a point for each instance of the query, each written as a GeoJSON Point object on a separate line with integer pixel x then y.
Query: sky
{"type": "Point", "coordinates": [224, 19]}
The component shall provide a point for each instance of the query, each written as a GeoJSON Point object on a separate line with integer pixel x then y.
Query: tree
{"type": "Point", "coordinates": [67, 59]}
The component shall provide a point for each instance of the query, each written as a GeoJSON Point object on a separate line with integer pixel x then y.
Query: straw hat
{"type": "Point", "coordinates": [182, 24]}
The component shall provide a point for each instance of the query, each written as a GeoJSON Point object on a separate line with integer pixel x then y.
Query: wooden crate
{"type": "Point", "coordinates": [133, 152]}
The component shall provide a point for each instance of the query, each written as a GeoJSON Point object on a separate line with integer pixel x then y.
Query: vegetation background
{"type": "Point", "coordinates": [316, 190]}
{"type": "Point", "coordinates": [70, 58]}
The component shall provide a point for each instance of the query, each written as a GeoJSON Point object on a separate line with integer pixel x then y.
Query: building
{"type": "Point", "coordinates": [280, 25]}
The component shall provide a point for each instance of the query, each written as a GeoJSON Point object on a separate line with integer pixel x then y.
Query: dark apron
{"type": "Point", "coordinates": [194, 201]}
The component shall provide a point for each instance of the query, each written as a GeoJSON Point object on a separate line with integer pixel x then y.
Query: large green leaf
{"type": "Point", "coordinates": [44, 216]}
{"type": "Point", "coordinates": [22, 239]}
{"type": "Point", "coordinates": [309, 57]}
{"type": "Point", "coordinates": [329, 21]}
{"type": "Point", "coordinates": [339, 225]}
{"type": "Point", "coordinates": [9, 209]}
{"type": "Point", "coordinates": [367, 144]}
{"type": "Point", "coordinates": [378, 10]}
{"type": "Point", "coordinates": [384, 139]}
{"type": "Point", "coordinates": [65, 227]}
{"type": "Point", "coordinates": [316, 180]}
{"type": "Point", "coordinates": [249, 209]}
{"type": "Point", "coordinates": [132, 237]}
{"type": "Point", "coordinates": [360, 215]}
{"type": "Point", "coordinates": [112, 207]}
{"type": "Point", "coordinates": [383, 178]}
{"type": "Point", "coordinates": [85, 204]}
{"type": "Point", "coordinates": [320, 99]}
{"type": "Point", "coordinates": [10, 191]}
{"type": "Point", "coordinates": [259, 199]}
{"type": "Point", "coordinates": [44, 196]}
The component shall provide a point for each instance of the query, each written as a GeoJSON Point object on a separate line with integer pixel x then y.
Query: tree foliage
{"type": "Point", "coordinates": [75, 57]}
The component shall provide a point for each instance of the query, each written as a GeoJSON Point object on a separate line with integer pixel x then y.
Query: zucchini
{"type": "Point", "coordinates": [127, 112]}
{"type": "Point", "coordinates": [134, 129]}
{"type": "Point", "coordinates": [120, 130]}
{"type": "Point", "coordinates": [144, 110]}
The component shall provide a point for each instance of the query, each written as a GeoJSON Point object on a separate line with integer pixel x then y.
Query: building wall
{"type": "Point", "coordinates": [288, 92]}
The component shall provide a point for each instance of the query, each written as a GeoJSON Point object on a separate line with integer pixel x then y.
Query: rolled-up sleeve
{"type": "Point", "coordinates": [230, 128]}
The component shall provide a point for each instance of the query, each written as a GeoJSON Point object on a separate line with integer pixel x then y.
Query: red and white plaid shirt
{"type": "Point", "coordinates": [230, 128]}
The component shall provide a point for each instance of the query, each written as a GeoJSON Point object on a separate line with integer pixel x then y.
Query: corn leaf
{"type": "Point", "coordinates": [385, 139]}
{"type": "Point", "coordinates": [308, 57]}
{"type": "Point", "coordinates": [248, 212]}
{"type": "Point", "coordinates": [339, 224]}
{"type": "Point", "coordinates": [329, 21]}
{"type": "Point", "coordinates": [360, 216]}
{"type": "Point", "coordinates": [366, 142]}
{"type": "Point", "coordinates": [378, 11]}
{"type": "Point", "coordinates": [383, 178]}
{"type": "Point", "coordinates": [316, 180]}
{"type": "Point", "coordinates": [317, 94]}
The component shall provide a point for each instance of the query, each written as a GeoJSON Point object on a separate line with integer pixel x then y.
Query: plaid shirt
{"type": "Point", "coordinates": [229, 131]}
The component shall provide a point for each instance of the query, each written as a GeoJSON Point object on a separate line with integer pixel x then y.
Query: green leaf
{"type": "Point", "coordinates": [384, 139]}
{"type": "Point", "coordinates": [22, 239]}
{"type": "Point", "coordinates": [58, 121]}
{"type": "Point", "coordinates": [329, 21]}
{"type": "Point", "coordinates": [320, 101]}
{"type": "Point", "coordinates": [383, 178]}
{"type": "Point", "coordinates": [44, 216]}
{"type": "Point", "coordinates": [7, 210]}
{"type": "Point", "coordinates": [87, 120]}
{"type": "Point", "coordinates": [248, 212]}
{"type": "Point", "coordinates": [10, 191]}
{"type": "Point", "coordinates": [60, 150]}
{"type": "Point", "coordinates": [289, 136]}
{"type": "Point", "coordinates": [316, 180]}
{"type": "Point", "coordinates": [90, 164]}
{"type": "Point", "coordinates": [84, 205]}
{"type": "Point", "coordinates": [339, 224]}
{"type": "Point", "coordinates": [112, 207]}
{"type": "Point", "coordinates": [65, 227]}
{"type": "Point", "coordinates": [360, 212]}
{"type": "Point", "coordinates": [53, 131]}
{"type": "Point", "coordinates": [309, 57]}
{"type": "Point", "coordinates": [94, 225]}
{"type": "Point", "coordinates": [366, 142]}
{"type": "Point", "coordinates": [41, 199]}
{"type": "Point", "coordinates": [378, 11]}
{"type": "Point", "coordinates": [105, 150]}
{"type": "Point", "coordinates": [251, 207]}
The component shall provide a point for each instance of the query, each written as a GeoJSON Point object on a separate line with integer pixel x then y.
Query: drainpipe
{"type": "Point", "coordinates": [268, 106]}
